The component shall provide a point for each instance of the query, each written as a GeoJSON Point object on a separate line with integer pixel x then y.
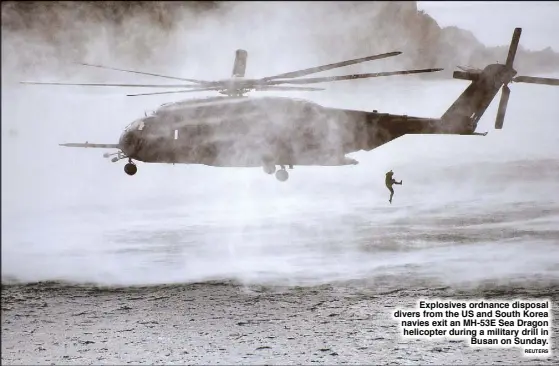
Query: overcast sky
{"type": "Point", "coordinates": [493, 22]}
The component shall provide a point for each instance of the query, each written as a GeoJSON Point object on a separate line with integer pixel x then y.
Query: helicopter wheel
{"type": "Point", "coordinates": [130, 168]}
{"type": "Point", "coordinates": [269, 169]}
{"type": "Point", "coordinates": [282, 175]}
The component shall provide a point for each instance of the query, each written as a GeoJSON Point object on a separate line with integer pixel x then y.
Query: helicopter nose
{"type": "Point", "coordinates": [129, 143]}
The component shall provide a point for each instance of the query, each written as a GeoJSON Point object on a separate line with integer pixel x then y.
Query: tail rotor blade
{"type": "Point", "coordinates": [536, 80]}
{"type": "Point", "coordinates": [513, 47]}
{"type": "Point", "coordinates": [502, 108]}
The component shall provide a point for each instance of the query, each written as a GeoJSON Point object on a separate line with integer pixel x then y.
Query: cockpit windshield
{"type": "Point", "coordinates": [136, 125]}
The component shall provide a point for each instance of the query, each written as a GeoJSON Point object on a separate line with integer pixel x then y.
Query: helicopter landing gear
{"type": "Point", "coordinates": [282, 175]}
{"type": "Point", "coordinates": [130, 168]}
{"type": "Point", "coordinates": [269, 168]}
{"type": "Point", "coordinates": [119, 155]}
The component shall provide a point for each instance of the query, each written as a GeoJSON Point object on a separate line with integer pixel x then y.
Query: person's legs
{"type": "Point", "coordinates": [391, 193]}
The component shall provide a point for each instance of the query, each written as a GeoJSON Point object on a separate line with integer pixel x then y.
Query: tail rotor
{"type": "Point", "coordinates": [536, 80]}
{"type": "Point", "coordinates": [505, 95]}
{"type": "Point", "coordinates": [465, 113]}
{"type": "Point", "coordinates": [513, 47]}
{"type": "Point", "coordinates": [508, 76]}
{"type": "Point", "coordinates": [508, 73]}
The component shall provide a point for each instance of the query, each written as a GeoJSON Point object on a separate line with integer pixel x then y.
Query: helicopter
{"type": "Point", "coordinates": [238, 131]}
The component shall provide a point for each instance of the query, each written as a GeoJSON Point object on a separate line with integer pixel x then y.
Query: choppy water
{"type": "Point", "coordinates": [470, 208]}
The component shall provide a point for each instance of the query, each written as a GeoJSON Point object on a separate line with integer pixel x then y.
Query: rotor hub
{"type": "Point", "coordinates": [508, 75]}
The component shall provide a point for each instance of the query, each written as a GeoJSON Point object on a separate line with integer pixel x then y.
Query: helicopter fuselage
{"type": "Point", "coordinates": [251, 132]}
{"type": "Point", "coordinates": [237, 131]}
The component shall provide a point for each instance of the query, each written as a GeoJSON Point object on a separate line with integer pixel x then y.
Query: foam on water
{"type": "Point", "coordinates": [470, 208]}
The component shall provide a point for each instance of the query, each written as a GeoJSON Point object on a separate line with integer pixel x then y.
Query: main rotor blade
{"type": "Point", "coordinates": [314, 70]}
{"type": "Point", "coordinates": [286, 88]}
{"type": "Point", "coordinates": [116, 85]}
{"type": "Point", "coordinates": [349, 77]}
{"type": "Point", "coordinates": [513, 47]}
{"type": "Point", "coordinates": [535, 80]}
{"type": "Point", "coordinates": [174, 92]}
{"type": "Point", "coordinates": [147, 73]}
{"type": "Point", "coordinates": [502, 107]}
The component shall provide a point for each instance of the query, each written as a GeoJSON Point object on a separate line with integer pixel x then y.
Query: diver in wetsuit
{"type": "Point", "coordinates": [389, 181]}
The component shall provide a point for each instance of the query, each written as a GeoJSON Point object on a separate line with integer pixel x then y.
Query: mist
{"type": "Point", "coordinates": [471, 208]}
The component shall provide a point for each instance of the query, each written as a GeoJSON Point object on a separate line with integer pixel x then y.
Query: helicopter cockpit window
{"type": "Point", "coordinates": [132, 126]}
{"type": "Point", "coordinates": [138, 124]}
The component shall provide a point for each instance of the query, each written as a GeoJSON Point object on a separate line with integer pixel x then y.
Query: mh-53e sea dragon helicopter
{"type": "Point", "coordinates": [236, 131]}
